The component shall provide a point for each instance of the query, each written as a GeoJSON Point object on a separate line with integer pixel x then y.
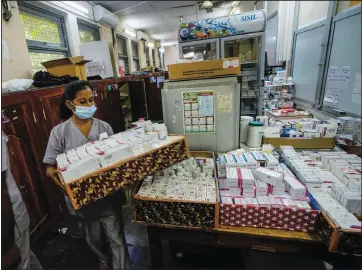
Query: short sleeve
{"type": "Point", "coordinates": [109, 130]}
{"type": "Point", "coordinates": [4, 152]}
{"type": "Point", "coordinates": [54, 148]}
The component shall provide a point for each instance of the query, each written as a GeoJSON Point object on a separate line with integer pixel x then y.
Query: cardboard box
{"type": "Point", "coordinates": [204, 69]}
{"type": "Point", "coordinates": [302, 143]}
{"type": "Point", "coordinates": [72, 66]}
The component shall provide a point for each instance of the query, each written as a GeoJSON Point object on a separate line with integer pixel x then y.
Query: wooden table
{"type": "Point", "coordinates": [273, 240]}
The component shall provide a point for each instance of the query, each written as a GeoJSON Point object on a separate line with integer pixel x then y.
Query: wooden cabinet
{"type": "Point", "coordinates": [146, 97]}
{"type": "Point", "coordinates": [109, 108]}
{"type": "Point", "coordinates": [138, 99]}
{"type": "Point", "coordinates": [153, 98]}
{"type": "Point", "coordinates": [20, 125]}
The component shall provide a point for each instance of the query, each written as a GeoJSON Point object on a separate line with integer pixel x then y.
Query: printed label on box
{"type": "Point", "coordinates": [210, 127]}
{"type": "Point", "coordinates": [187, 113]}
{"type": "Point", "coordinates": [187, 107]}
{"type": "Point", "coordinates": [202, 120]}
{"type": "Point", "coordinates": [188, 128]}
{"type": "Point", "coordinates": [203, 128]}
{"type": "Point", "coordinates": [195, 106]}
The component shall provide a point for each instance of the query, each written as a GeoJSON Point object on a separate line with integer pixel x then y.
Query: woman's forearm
{"type": "Point", "coordinates": [51, 172]}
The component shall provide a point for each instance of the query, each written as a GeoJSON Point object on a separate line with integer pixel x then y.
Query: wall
{"type": "Point", "coordinates": [342, 5]}
{"type": "Point", "coordinates": [19, 65]}
{"type": "Point", "coordinates": [171, 55]}
{"type": "Point", "coordinates": [311, 12]}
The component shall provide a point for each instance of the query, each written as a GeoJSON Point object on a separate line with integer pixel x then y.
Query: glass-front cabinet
{"type": "Point", "coordinates": [200, 50]}
{"type": "Point", "coordinates": [247, 49]}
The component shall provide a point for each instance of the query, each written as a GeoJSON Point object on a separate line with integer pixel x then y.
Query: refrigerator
{"type": "Point", "coordinates": [240, 35]}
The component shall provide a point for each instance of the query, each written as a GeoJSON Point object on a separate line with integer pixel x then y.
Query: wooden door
{"type": "Point", "coordinates": [18, 124]}
{"type": "Point", "coordinates": [138, 99]}
{"type": "Point", "coordinates": [154, 99]}
{"type": "Point", "coordinates": [45, 103]}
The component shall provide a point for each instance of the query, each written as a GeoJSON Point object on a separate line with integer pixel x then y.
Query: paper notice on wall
{"type": "Point", "coordinates": [356, 93]}
{"type": "Point", "coordinates": [337, 80]}
{"type": "Point", "coordinates": [5, 55]}
{"type": "Point", "coordinates": [198, 109]}
{"type": "Point", "coordinates": [224, 101]}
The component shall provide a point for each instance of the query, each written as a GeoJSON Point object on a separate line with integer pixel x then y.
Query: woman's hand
{"type": "Point", "coordinates": [52, 172]}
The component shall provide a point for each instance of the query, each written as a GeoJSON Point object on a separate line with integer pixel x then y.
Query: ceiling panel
{"type": "Point", "coordinates": [173, 4]}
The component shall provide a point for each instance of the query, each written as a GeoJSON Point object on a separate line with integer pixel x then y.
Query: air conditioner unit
{"type": "Point", "coordinates": [104, 16]}
{"type": "Point", "coordinates": [141, 35]}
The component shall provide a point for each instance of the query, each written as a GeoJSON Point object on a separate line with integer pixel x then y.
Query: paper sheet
{"type": "Point", "coordinates": [356, 94]}
{"type": "Point", "coordinates": [337, 80]}
{"type": "Point", "coordinates": [159, 80]}
{"type": "Point", "coordinates": [5, 55]}
{"type": "Point", "coordinates": [198, 110]}
{"type": "Point", "coordinates": [225, 102]}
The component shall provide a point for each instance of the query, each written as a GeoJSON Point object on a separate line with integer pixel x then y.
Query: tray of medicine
{"type": "Point", "coordinates": [106, 171]}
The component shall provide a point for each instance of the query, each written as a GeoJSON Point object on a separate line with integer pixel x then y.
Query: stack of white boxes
{"type": "Point", "coordinates": [190, 180]}
{"type": "Point", "coordinates": [246, 183]}
{"type": "Point", "coordinates": [335, 181]}
{"type": "Point", "coordinates": [107, 151]}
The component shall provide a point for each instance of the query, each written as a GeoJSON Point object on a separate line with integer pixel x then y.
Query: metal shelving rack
{"type": "Point", "coordinates": [276, 89]}
{"type": "Point", "coordinates": [250, 88]}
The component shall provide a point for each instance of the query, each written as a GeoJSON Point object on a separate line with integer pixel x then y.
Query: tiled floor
{"type": "Point", "coordinates": [70, 251]}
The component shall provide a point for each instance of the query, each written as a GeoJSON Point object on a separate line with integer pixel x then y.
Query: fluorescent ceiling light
{"type": "Point", "coordinates": [128, 32]}
{"type": "Point", "coordinates": [235, 3]}
{"type": "Point", "coordinates": [207, 4]}
{"type": "Point", "coordinates": [76, 6]}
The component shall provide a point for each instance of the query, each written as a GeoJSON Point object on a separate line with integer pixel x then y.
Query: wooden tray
{"type": "Point", "coordinates": [339, 240]}
{"type": "Point", "coordinates": [171, 212]}
{"type": "Point", "coordinates": [106, 181]}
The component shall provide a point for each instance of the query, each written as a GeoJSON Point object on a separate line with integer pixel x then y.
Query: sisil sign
{"type": "Point", "coordinates": [248, 18]}
{"type": "Point", "coordinates": [234, 25]}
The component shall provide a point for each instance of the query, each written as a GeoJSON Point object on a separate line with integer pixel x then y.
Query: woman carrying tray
{"type": "Point", "coordinates": [104, 217]}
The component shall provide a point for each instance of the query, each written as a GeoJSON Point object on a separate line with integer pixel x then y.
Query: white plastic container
{"type": "Point", "coordinates": [255, 134]}
{"type": "Point", "coordinates": [244, 126]}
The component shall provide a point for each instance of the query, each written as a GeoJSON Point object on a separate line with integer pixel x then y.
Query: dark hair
{"type": "Point", "coordinates": [70, 91]}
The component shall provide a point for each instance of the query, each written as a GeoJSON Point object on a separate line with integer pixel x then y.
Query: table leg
{"type": "Point", "coordinates": [155, 247]}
